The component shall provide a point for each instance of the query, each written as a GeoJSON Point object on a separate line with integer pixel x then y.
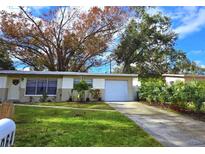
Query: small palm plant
{"type": "Point", "coordinates": [81, 87]}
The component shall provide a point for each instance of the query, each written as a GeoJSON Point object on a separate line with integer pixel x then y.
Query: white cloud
{"type": "Point", "coordinates": [153, 11]}
{"type": "Point", "coordinates": [199, 63]}
{"type": "Point", "coordinates": [16, 9]}
{"type": "Point", "coordinates": [196, 52]}
{"type": "Point", "coordinates": [26, 69]}
{"type": "Point", "coordinates": [191, 25]}
{"type": "Point", "coordinates": [188, 19]}
{"type": "Point", "coordinates": [10, 8]}
{"type": "Point", "coordinates": [87, 8]}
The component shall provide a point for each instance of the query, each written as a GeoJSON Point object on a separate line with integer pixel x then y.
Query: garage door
{"type": "Point", "coordinates": [116, 90]}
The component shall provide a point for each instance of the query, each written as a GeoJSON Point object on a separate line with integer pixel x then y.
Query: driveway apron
{"type": "Point", "coordinates": [169, 128]}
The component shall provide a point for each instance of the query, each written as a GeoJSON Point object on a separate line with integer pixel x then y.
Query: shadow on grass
{"type": "Point", "coordinates": [90, 105]}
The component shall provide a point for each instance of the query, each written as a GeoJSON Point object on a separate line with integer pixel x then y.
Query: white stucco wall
{"type": "Point", "coordinates": [135, 87]}
{"type": "Point", "coordinates": [169, 80]}
{"type": "Point", "coordinates": [59, 83]}
{"type": "Point", "coordinates": [99, 83]}
{"type": "Point", "coordinates": [3, 82]}
{"type": "Point", "coordinates": [23, 83]}
{"type": "Point", "coordinates": [136, 82]}
{"type": "Point", "coordinates": [67, 83]}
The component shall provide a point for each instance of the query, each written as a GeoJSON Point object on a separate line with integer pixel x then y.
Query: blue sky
{"type": "Point", "coordinates": [188, 22]}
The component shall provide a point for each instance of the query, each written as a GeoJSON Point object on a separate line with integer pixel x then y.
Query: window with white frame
{"type": "Point", "coordinates": [41, 86]}
{"type": "Point", "coordinates": [76, 81]}
{"type": "Point", "coordinates": [88, 81]}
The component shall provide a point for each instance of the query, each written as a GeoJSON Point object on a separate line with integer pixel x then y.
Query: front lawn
{"type": "Point", "coordinates": [63, 127]}
{"type": "Point", "coordinates": [90, 105]}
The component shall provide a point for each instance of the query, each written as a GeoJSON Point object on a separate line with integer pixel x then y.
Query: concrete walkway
{"type": "Point", "coordinates": [168, 128]}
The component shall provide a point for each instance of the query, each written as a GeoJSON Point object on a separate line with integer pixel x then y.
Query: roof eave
{"type": "Point", "coordinates": [63, 73]}
{"type": "Point", "coordinates": [173, 75]}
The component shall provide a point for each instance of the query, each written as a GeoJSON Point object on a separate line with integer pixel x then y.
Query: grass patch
{"type": "Point", "coordinates": [90, 105]}
{"type": "Point", "coordinates": [74, 128]}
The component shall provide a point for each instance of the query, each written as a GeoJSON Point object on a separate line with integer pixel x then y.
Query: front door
{"type": "Point", "coordinates": [13, 89]}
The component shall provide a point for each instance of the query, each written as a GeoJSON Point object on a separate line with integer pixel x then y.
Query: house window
{"type": "Point", "coordinates": [41, 86]}
{"type": "Point", "coordinates": [31, 87]}
{"type": "Point", "coordinates": [88, 81]}
{"type": "Point", "coordinates": [76, 81]}
{"type": "Point", "coordinates": [52, 87]}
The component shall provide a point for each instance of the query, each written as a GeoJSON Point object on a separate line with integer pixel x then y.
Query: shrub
{"type": "Point", "coordinates": [182, 94]}
{"type": "Point", "coordinates": [195, 91]}
{"type": "Point", "coordinates": [153, 90]}
{"type": "Point", "coordinates": [70, 99]}
{"type": "Point", "coordinates": [87, 99]}
{"type": "Point", "coordinates": [81, 87]}
{"type": "Point", "coordinates": [95, 94]}
{"type": "Point", "coordinates": [179, 93]}
{"type": "Point", "coordinates": [44, 97]}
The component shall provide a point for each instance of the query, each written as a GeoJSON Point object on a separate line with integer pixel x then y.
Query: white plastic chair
{"type": "Point", "coordinates": [7, 132]}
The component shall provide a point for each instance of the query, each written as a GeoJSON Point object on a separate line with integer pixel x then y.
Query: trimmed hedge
{"type": "Point", "coordinates": [179, 93]}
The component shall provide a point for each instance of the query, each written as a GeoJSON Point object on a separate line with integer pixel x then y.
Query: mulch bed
{"type": "Point", "coordinates": [193, 114]}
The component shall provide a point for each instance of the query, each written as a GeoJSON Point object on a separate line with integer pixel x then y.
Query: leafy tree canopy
{"type": "Point", "coordinates": [64, 39]}
{"type": "Point", "coordinates": [147, 47]}
{"type": "Point", "coordinates": [5, 61]}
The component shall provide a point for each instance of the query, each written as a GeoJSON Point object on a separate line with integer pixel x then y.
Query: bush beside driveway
{"type": "Point", "coordinates": [188, 95]}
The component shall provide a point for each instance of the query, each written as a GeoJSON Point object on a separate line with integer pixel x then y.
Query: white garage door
{"type": "Point", "coordinates": [116, 90]}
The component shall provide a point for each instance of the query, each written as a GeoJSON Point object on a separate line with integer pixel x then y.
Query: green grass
{"type": "Point", "coordinates": [91, 105]}
{"type": "Point", "coordinates": [76, 128]}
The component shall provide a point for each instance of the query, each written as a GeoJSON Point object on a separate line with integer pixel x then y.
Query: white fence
{"type": "Point", "coordinates": [7, 132]}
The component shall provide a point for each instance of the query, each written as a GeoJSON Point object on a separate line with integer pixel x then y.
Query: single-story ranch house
{"type": "Point", "coordinates": [29, 86]}
{"type": "Point", "coordinates": [171, 78]}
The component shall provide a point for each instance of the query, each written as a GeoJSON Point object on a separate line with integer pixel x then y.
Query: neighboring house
{"type": "Point", "coordinates": [29, 86]}
{"type": "Point", "coordinates": [171, 78]}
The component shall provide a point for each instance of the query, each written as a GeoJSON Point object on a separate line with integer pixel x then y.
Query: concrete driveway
{"type": "Point", "coordinates": [169, 128]}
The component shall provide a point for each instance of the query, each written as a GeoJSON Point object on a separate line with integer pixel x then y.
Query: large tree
{"type": "Point", "coordinates": [64, 39]}
{"type": "Point", "coordinates": [5, 61]}
{"type": "Point", "coordinates": [147, 46]}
